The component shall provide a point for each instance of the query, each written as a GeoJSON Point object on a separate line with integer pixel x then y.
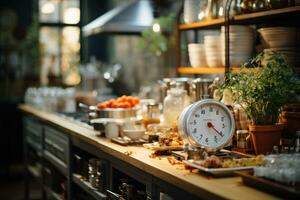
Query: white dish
{"type": "Point", "coordinates": [134, 134]}
{"type": "Point", "coordinates": [216, 171]}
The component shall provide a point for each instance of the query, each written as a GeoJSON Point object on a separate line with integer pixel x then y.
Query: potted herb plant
{"type": "Point", "coordinates": [261, 88]}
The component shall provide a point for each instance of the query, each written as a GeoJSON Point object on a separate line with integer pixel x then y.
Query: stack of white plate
{"type": "Point", "coordinates": [197, 55]}
{"type": "Point", "coordinates": [284, 40]}
{"type": "Point", "coordinates": [278, 37]}
{"type": "Point", "coordinates": [212, 45]}
{"type": "Point", "coordinates": [241, 43]}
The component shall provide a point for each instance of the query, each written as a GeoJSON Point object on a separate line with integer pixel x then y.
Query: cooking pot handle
{"type": "Point", "coordinates": [87, 107]}
{"type": "Point", "coordinates": [84, 106]}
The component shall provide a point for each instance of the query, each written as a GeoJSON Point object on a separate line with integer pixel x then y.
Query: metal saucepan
{"type": "Point", "coordinates": [110, 125]}
{"type": "Point", "coordinates": [117, 113]}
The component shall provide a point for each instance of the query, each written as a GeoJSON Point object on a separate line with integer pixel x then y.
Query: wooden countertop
{"type": "Point", "coordinates": [195, 183]}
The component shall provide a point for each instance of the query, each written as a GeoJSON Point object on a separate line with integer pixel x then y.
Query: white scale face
{"type": "Point", "coordinates": [207, 123]}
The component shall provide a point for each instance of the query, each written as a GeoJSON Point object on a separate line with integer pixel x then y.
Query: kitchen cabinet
{"type": "Point", "coordinates": [46, 159]}
{"type": "Point", "coordinates": [154, 178]}
{"type": "Point", "coordinates": [280, 17]}
{"type": "Point", "coordinates": [54, 162]}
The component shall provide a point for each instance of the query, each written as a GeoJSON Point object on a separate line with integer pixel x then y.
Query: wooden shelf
{"type": "Point", "coordinates": [206, 23]}
{"type": "Point", "coordinates": [207, 70]}
{"type": "Point", "coordinates": [87, 187]}
{"type": "Point", "coordinates": [203, 70]}
{"type": "Point", "coordinates": [239, 18]}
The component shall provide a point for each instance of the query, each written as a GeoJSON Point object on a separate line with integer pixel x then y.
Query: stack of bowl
{"type": "Point", "coordinates": [213, 50]}
{"type": "Point", "coordinates": [283, 40]}
{"type": "Point", "coordinates": [197, 55]}
{"type": "Point", "coordinates": [278, 37]}
{"type": "Point", "coordinates": [241, 44]}
{"type": "Point", "coordinates": [291, 55]}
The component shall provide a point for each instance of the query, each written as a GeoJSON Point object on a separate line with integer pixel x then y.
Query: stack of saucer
{"type": "Point", "coordinates": [213, 50]}
{"type": "Point", "coordinates": [241, 43]}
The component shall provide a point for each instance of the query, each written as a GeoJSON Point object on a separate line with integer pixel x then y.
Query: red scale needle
{"type": "Point", "coordinates": [210, 125]}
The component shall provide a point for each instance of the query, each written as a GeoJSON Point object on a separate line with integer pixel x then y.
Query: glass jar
{"type": "Point", "coordinates": [212, 10]}
{"type": "Point", "coordinates": [190, 10]}
{"type": "Point", "coordinates": [247, 6]}
{"type": "Point", "coordinates": [202, 15]}
{"type": "Point", "coordinates": [152, 114]}
{"type": "Point", "coordinates": [174, 103]}
{"type": "Point", "coordinates": [241, 141]}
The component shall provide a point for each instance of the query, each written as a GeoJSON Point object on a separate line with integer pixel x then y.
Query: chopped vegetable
{"type": "Point", "coordinates": [121, 102]}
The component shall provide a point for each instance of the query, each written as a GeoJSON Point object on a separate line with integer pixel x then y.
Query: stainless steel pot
{"type": "Point", "coordinates": [117, 113]}
{"type": "Point", "coordinates": [201, 88]}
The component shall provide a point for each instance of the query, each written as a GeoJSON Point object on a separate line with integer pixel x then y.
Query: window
{"type": "Point", "coordinates": [59, 38]}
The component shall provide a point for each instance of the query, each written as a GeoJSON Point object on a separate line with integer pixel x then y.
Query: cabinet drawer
{"type": "Point", "coordinates": [56, 144]}
{"type": "Point", "coordinates": [33, 133]}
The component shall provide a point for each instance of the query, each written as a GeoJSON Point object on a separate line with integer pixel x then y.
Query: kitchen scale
{"type": "Point", "coordinates": [207, 125]}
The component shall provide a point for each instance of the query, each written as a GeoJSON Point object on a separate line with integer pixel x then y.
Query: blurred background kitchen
{"type": "Point", "coordinates": [57, 53]}
{"type": "Point", "coordinates": [42, 44]}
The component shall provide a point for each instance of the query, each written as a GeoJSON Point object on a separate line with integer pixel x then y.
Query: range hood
{"type": "Point", "coordinates": [132, 18]}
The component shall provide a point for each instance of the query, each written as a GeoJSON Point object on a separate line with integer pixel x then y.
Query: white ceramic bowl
{"type": "Point", "coordinates": [134, 134]}
{"type": "Point", "coordinates": [197, 56]}
{"type": "Point", "coordinates": [277, 37]}
{"type": "Point", "coordinates": [214, 62]}
{"type": "Point", "coordinates": [237, 60]}
{"type": "Point", "coordinates": [198, 63]}
{"type": "Point", "coordinates": [195, 46]}
{"type": "Point", "coordinates": [238, 28]}
{"type": "Point", "coordinates": [292, 57]}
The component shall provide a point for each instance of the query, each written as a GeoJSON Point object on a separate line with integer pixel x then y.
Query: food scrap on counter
{"type": "Point", "coordinates": [128, 153]}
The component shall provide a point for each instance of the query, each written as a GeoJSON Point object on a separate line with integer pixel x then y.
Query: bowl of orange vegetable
{"type": "Point", "coordinates": [122, 107]}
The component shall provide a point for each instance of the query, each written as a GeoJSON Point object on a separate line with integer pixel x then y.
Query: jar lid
{"type": "Point", "coordinates": [152, 105]}
{"type": "Point", "coordinates": [176, 91]}
{"type": "Point", "coordinates": [241, 132]}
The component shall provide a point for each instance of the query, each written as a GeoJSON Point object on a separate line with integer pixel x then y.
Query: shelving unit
{"type": "Point", "coordinates": [238, 18]}
{"type": "Point", "coordinates": [203, 70]}
{"type": "Point", "coordinates": [214, 23]}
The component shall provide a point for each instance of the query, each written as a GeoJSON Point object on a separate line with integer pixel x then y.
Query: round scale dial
{"type": "Point", "coordinates": [207, 123]}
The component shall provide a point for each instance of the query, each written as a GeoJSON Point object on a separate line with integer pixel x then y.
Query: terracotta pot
{"type": "Point", "coordinates": [265, 137]}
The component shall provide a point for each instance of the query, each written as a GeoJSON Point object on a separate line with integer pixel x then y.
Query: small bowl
{"type": "Point", "coordinates": [134, 134]}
